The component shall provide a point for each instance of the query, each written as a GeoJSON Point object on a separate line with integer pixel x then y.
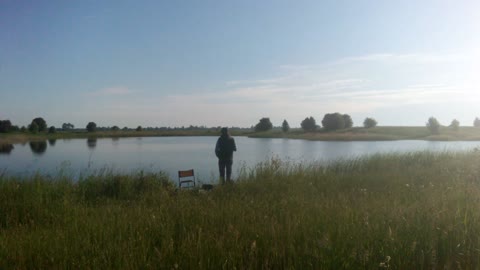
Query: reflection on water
{"type": "Point", "coordinates": [92, 143]}
{"type": "Point", "coordinates": [6, 148]}
{"type": "Point", "coordinates": [38, 147]}
{"type": "Point", "coordinates": [115, 142]}
{"type": "Point", "coordinates": [171, 154]}
{"type": "Point", "coordinates": [52, 142]}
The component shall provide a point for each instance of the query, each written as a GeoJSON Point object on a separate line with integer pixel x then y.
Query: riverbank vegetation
{"type": "Point", "coordinates": [335, 127]}
{"type": "Point", "coordinates": [408, 211]}
{"type": "Point", "coordinates": [379, 133]}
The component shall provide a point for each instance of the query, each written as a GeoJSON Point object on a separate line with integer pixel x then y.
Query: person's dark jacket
{"type": "Point", "coordinates": [225, 148]}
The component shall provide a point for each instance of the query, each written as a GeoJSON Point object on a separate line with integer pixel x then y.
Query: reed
{"type": "Point", "coordinates": [399, 211]}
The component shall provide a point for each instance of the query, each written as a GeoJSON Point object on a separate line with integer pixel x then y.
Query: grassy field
{"type": "Point", "coordinates": [409, 211]}
{"type": "Point", "coordinates": [382, 133]}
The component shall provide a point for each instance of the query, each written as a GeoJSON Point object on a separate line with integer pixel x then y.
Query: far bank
{"type": "Point", "coordinates": [380, 133]}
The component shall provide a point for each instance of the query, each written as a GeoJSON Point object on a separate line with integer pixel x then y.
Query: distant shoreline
{"type": "Point", "coordinates": [381, 133]}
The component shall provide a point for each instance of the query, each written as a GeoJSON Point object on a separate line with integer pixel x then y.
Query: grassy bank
{"type": "Point", "coordinates": [382, 133]}
{"type": "Point", "coordinates": [411, 211]}
{"type": "Point", "coordinates": [352, 134]}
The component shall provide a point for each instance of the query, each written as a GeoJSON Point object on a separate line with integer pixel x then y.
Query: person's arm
{"type": "Point", "coordinates": [234, 145]}
{"type": "Point", "coordinates": [217, 149]}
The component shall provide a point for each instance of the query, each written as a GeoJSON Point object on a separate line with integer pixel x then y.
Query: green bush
{"type": "Point", "coordinates": [309, 124]}
{"type": "Point", "coordinates": [333, 121]}
{"type": "Point", "coordinates": [263, 124]}
{"type": "Point", "coordinates": [433, 125]}
{"type": "Point", "coordinates": [91, 127]}
{"type": "Point", "coordinates": [369, 123]}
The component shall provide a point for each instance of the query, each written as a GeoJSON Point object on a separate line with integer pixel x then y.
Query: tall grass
{"type": "Point", "coordinates": [408, 211]}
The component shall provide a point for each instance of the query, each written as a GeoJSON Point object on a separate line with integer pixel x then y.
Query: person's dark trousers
{"type": "Point", "coordinates": [225, 165]}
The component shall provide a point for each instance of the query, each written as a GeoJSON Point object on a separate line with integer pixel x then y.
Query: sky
{"type": "Point", "coordinates": [230, 63]}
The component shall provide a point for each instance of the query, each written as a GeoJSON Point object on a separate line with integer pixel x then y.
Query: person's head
{"type": "Point", "coordinates": [224, 131]}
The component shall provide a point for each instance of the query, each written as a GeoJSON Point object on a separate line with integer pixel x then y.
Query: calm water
{"type": "Point", "coordinates": [171, 154]}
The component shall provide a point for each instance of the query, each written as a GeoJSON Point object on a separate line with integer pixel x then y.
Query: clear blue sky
{"type": "Point", "coordinates": [229, 63]}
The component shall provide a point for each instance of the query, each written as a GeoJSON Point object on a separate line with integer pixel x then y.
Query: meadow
{"type": "Point", "coordinates": [399, 211]}
{"type": "Point", "coordinates": [379, 133]}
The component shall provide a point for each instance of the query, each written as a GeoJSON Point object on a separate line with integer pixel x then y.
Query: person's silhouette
{"type": "Point", "coordinates": [224, 151]}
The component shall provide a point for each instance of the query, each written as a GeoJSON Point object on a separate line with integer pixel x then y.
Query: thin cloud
{"type": "Point", "coordinates": [361, 86]}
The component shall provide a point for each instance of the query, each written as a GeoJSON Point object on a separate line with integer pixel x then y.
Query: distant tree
{"type": "Point", "coordinates": [476, 122]}
{"type": "Point", "coordinates": [15, 129]}
{"type": "Point", "coordinates": [333, 121]}
{"type": "Point", "coordinates": [433, 125]}
{"type": "Point", "coordinates": [369, 123]}
{"type": "Point", "coordinates": [23, 129]}
{"type": "Point", "coordinates": [455, 125]}
{"type": "Point", "coordinates": [125, 128]}
{"type": "Point", "coordinates": [139, 128]}
{"type": "Point", "coordinates": [264, 125]}
{"type": "Point", "coordinates": [115, 128]}
{"type": "Point", "coordinates": [33, 127]}
{"type": "Point", "coordinates": [67, 126]}
{"type": "Point", "coordinates": [41, 123]}
{"type": "Point", "coordinates": [347, 119]}
{"type": "Point", "coordinates": [52, 129]}
{"type": "Point", "coordinates": [285, 126]}
{"type": "Point", "coordinates": [91, 127]}
{"type": "Point", "coordinates": [309, 124]}
{"type": "Point", "coordinates": [5, 126]}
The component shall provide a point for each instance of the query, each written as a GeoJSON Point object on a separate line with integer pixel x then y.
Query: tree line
{"type": "Point", "coordinates": [40, 125]}
{"type": "Point", "coordinates": [330, 122]}
{"type": "Point", "coordinates": [337, 121]}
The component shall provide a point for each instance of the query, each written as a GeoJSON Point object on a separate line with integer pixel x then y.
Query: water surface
{"type": "Point", "coordinates": [171, 154]}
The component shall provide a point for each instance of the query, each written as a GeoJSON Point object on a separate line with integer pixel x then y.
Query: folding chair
{"type": "Point", "coordinates": [186, 177]}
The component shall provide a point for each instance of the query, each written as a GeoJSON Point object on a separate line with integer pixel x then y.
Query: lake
{"type": "Point", "coordinates": [171, 154]}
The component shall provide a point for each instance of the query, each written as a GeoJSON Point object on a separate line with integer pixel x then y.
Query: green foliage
{"type": "Point", "coordinates": [347, 119]}
{"type": "Point", "coordinates": [5, 126]}
{"type": "Point", "coordinates": [115, 128]}
{"type": "Point", "coordinates": [23, 129]}
{"type": "Point", "coordinates": [33, 127]}
{"type": "Point", "coordinates": [139, 128]}
{"type": "Point", "coordinates": [309, 124]}
{"type": "Point", "coordinates": [433, 125]}
{"type": "Point", "coordinates": [455, 125]}
{"type": "Point", "coordinates": [263, 125]}
{"type": "Point", "coordinates": [91, 127]}
{"type": "Point", "coordinates": [333, 121]}
{"type": "Point", "coordinates": [369, 123]}
{"type": "Point", "coordinates": [52, 130]}
{"type": "Point", "coordinates": [41, 123]}
{"type": "Point", "coordinates": [285, 126]}
{"type": "Point", "coordinates": [67, 126]}
{"type": "Point", "coordinates": [476, 122]}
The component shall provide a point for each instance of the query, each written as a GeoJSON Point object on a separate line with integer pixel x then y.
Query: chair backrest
{"type": "Point", "coordinates": [186, 177]}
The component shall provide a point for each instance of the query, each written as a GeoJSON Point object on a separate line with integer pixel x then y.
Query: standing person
{"type": "Point", "coordinates": [224, 151]}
